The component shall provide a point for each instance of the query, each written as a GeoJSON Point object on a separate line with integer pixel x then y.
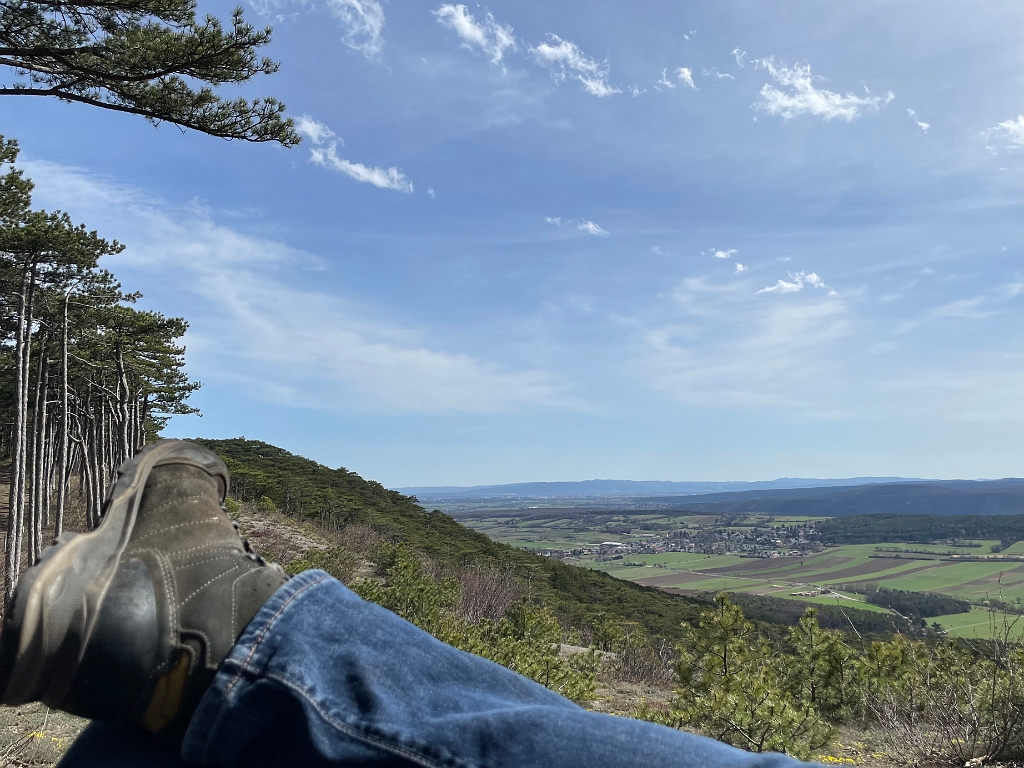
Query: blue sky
{"type": "Point", "coordinates": [558, 241]}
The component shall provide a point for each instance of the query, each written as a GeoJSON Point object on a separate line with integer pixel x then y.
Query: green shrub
{"type": "Point", "coordinates": [948, 706]}
{"type": "Point", "coordinates": [527, 639]}
{"type": "Point", "coordinates": [734, 686]}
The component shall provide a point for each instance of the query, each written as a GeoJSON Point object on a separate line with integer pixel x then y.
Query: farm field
{"type": "Point", "coordinates": [913, 566]}
{"type": "Point", "coordinates": [835, 566]}
{"type": "Point", "coordinates": [545, 529]}
{"type": "Point", "coordinates": [979, 624]}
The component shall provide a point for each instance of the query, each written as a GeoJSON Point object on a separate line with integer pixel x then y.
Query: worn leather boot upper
{"type": "Point", "coordinates": [184, 587]}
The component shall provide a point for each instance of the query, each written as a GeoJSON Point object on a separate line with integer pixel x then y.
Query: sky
{"type": "Point", "coordinates": [558, 241]}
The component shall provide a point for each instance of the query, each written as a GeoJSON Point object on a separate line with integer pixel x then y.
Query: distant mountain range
{"type": "Point", "coordinates": [585, 488]}
{"type": "Point", "coordinates": [786, 496]}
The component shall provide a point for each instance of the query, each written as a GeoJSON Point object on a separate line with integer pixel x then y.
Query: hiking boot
{"type": "Point", "coordinates": [131, 621]}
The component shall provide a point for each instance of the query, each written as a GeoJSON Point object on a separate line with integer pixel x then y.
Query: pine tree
{"type": "Point", "coordinates": [140, 57]}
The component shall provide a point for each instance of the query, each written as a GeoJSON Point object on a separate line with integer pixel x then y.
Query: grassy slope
{"type": "Point", "coordinates": [306, 489]}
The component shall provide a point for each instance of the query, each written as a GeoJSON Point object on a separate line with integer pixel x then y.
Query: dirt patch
{"type": "Point", "coordinates": [877, 565]}
{"type": "Point", "coordinates": [36, 735]}
{"type": "Point", "coordinates": [615, 697]}
{"type": "Point", "coordinates": [778, 563]}
{"type": "Point", "coordinates": [276, 537]}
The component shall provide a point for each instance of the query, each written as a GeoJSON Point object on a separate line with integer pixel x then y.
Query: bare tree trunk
{"type": "Point", "coordinates": [40, 488]}
{"type": "Point", "coordinates": [51, 452]}
{"type": "Point", "coordinates": [35, 470]}
{"type": "Point", "coordinates": [62, 478]}
{"type": "Point", "coordinates": [122, 403]}
{"type": "Point", "coordinates": [15, 499]}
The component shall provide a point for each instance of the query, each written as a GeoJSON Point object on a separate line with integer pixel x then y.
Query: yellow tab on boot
{"type": "Point", "coordinates": [167, 696]}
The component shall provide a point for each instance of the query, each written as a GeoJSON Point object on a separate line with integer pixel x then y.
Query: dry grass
{"type": "Point", "coordinates": [36, 735]}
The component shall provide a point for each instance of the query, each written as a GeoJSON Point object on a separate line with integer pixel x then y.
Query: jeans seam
{"type": "Point", "coordinates": [380, 742]}
{"type": "Point", "coordinates": [266, 628]}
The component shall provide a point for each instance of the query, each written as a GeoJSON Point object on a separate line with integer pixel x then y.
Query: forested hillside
{"type": "Point", "coordinates": [336, 497]}
{"type": "Point", "coordinates": [954, 497]}
{"type": "Point", "coordinates": [872, 529]}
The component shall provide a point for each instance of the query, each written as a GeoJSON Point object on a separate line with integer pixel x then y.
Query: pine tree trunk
{"type": "Point", "coordinates": [17, 444]}
{"type": "Point", "coordinates": [62, 477]}
{"type": "Point", "coordinates": [35, 474]}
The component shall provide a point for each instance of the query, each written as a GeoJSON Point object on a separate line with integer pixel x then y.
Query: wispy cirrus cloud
{"type": "Point", "coordinates": [714, 345]}
{"type": "Point", "coordinates": [803, 98]}
{"type": "Point", "coordinates": [314, 130]}
{"type": "Point", "coordinates": [569, 61]}
{"type": "Point", "coordinates": [327, 157]}
{"type": "Point", "coordinates": [490, 37]}
{"type": "Point", "coordinates": [316, 350]}
{"type": "Point", "coordinates": [683, 75]}
{"type": "Point", "coordinates": [796, 283]}
{"type": "Point", "coordinates": [738, 55]}
{"type": "Point", "coordinates": [385, 178]}
{"type": "Point", "coordinates": [912, 114]}
{"type": "Point", "coordinates": [363, 24]}
{"type": "Point", "coordinates": [581, 224]}
{"type": "Point", "coordinates": [720, 75]}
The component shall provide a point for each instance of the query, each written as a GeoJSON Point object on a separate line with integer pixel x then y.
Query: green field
{"type": "Point", "coordinates": [916, 567]}
{"type": "Point", "coordinates": [849, 564]}
{"type": "Point", "coordinates": [980, 623]}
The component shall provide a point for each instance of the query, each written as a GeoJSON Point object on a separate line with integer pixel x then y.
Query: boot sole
{"type": "Point", "coordinates": [56, 605]}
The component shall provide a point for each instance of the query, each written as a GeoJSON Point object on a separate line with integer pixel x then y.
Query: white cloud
{"type": "Point", "coordinates": [665, 81]}
{"type": "Point", "coordinates": [798, 281]}
{"type": "Point", "coordinates": [581, 224]}
{"type": "Point", "coordinates": [739, 56]}
{"type": "Point", "coordinates": [685, 75]}
{"type": "Point", "coordinates": [723, 253]}
{"type": "Point", "coordinates": [385, 178]}
{"type": "Point", "coordinates": [430, 193]}
{"type": "Point", "coordinates": [318, 133]}
{"type": "Point", "coordinates": [923, 126]}
{"type": "Point", "coordinates": [636, 90]}
{"type": "Point", "coordinates": [314, 130]}
{"type": "Point", "coordinates": [592, 228]}
{"type": "Point", "coordinates": [259, 323]}
{"type": "Point", "coordinates": [690, 34]}
{"type": "Point", "coordinates": [267, 8]}
{"type": "Point", "coordinates": [492, 38]}
{"type": "Point", "coordinates": [363, 21]}
{"type": "Point", "coordinates": [570, 61]}
{"type": "Point", "coordinates": [804, 99]}
{"type": "Point", "coordinates": [716, 73]}
{"type": "Point", "coordinates": [740, 268]}
{"type": "Point", "coordinates": [1011, 131]}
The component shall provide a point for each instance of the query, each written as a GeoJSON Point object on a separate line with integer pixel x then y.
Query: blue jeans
{"type": "Point", "coordinates": [322, 678]}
